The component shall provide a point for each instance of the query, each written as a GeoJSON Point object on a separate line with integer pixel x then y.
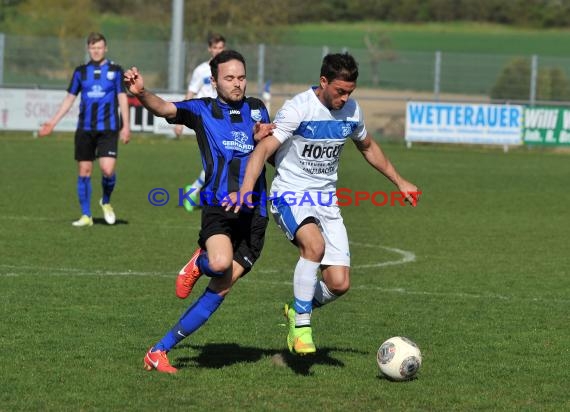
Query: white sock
{"type": "Point", "coordinates": [323, 295]}
{"type": "Point", "coordinates": [199, 183]}
{"type": "Point", "coordinates": [304, 282]}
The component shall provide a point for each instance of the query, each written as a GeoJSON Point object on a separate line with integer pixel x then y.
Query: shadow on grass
{"type": "Point", "coordinates": [387, 378]}
{"type": "Point", "coordinates": [218, 355]}
{"type": "Point", "coordinates": [101, 221]}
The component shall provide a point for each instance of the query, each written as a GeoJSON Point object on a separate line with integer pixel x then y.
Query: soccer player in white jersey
{"type": "Point", "coordinates": [310, 132]}
{"type": "Point", "coordinates": [200, 85]}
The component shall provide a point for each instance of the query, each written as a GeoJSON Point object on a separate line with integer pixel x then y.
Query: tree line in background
{"type": "Point", "coordinates": [251, 21]}
{"type": "Point", "coordinates": [242, 20]}
{"type": "Point", "coordinates": [527, 13]}
{"type": "Point", "coordinates": [254, 20]}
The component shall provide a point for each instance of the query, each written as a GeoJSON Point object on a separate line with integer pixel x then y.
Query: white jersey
{"type": "Point", "coordinates": [312, 138]}
{"type": "Point", "coordinates": [200, 83]}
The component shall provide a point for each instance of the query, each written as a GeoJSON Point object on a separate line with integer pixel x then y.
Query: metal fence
{"type": "Point", "coordinates": [44, 62]}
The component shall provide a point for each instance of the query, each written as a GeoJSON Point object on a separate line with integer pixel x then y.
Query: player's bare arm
{"type": "Point", "coordinates": [48, 126]}
{"type": "Point", "coordinates": [377, 159]}
{"type": "Point", "coordinates": [135, 84]}
{"type": "Point", "coordinates": [125, 132]}
{"type": "Point", "coordinates": [255, 164]}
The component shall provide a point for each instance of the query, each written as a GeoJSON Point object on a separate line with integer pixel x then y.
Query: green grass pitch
{"type": "Point", "coordinates": [477, 275]}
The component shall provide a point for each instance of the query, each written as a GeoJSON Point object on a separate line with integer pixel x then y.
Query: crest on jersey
{"type": "Point", "coordinates": [256, 115]}
{"type": "Point", "coordinates": [239, 136]}
{"type": "Point", "coordinates": [111, 75]}
{"type": "Point", "coordinates": [96, 92]}
{"type": "Point", "coordinates": [279, 116]}
{"type": "Point", "coordinates": [346, 130]}
{"type": "Point", "coordinates": [239, 142]}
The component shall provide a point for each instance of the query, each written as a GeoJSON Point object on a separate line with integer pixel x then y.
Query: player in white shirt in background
{"type": "Point", "coordinates": [200, 85]}
{"type": "Point", "coordinates": [310, 132]}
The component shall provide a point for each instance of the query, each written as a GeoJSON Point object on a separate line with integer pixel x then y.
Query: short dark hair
{"type": "Point", "coordinates": [339, 67]}
{"type": "Point", "coordinates": [214, 38]}
{"type": "Point", "coordinates": [224, 57]}
{"type": "Point", "coordinates": [95, 37]}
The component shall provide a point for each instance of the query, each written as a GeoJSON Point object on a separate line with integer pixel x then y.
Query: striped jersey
{"type": "Point", "coordinates": [99, 86]}
{"type": "Point", "coordinates": [225, 136]}
{"type": "Point", "coordinates": [312, 138]}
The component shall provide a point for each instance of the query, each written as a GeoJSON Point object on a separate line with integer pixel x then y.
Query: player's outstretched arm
{"type": "Point", "coordinates": [376, 157]}
{"type": "Point", "coordinates": [48, 126]}
{"type": "Point", "coordinates": [134, 83]}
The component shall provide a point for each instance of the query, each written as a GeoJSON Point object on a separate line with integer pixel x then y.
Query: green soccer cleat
{"type": "Point", "coordinates": [299, 340]}
{"type": "Point", "coordinates": [194, 196]}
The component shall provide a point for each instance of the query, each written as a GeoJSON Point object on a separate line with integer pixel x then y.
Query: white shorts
{"type": "Point", "coordinates": [289, 216]}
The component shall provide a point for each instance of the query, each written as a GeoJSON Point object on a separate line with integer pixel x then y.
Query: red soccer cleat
{"type": "Point", "coordinates": [188, 276]}
{"type": "Point", "coordinates": [159, 361]}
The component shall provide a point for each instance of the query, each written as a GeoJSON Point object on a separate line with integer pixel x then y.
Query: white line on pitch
{"type": "Point", "coordinates": [406, 257]}
{"type": "Point", "coordinates": [400, 291]}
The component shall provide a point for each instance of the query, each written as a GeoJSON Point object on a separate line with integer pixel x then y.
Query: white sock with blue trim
{"type": "Point", "coordinates": [304, 283]}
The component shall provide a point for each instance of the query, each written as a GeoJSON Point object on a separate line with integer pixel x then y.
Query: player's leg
{"type": "Point", "coordinates": [213, 260]}
{"type": "Point", "coordinates": [215, 223]}
{"type": "Point", "coordinates": [188, 275]}
{"type": "Point", "coordinates": [108, 180]}
{"type": "Point", "coordinates": [190, 321]}
{"type": "Point", "coordinates": [84, 154]}
{"type": "Point", "coordinates": [248, 238]}
{"type": "Point", "coordinates": [335, 283]}
{"type": "Point", "coordinates": [301, 227]}
{"type": "Point", "coordinates": [107, 147]}
{"type": "Point", "coordinates": [335, 268]}
{"type": "Point", "coordinates": [227, 259]}
{"type": "Point", "coordinates": [220, 249]}
{"type": "Point", "coordinates": [194, 188]}
{"type": "Point", "coordinates": [311, 249]}
{"type": "Point", "coordinates": [247, 249]}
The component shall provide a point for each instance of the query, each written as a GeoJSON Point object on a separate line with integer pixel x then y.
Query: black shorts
{"type": "Point", "coordinates": [245, 229]}
{"type": "Point", "coordinates": [90, 145]}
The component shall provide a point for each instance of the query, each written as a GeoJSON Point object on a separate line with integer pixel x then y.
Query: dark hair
{"type": "Point", "coordinates": [95, 37]}
{"type": "Point", "coordinates": [214, 38]}
{"type": "Point", "coordinates": [224, 57]}
{"type": "Point", "coordinates": [339, 66]}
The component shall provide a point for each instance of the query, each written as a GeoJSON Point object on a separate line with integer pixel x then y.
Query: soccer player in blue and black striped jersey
{"type": "Point", "coordinates": [227, 129]}
{"type": "Point", "coordinates": [103, 95]}
{"type": "Point", "coordinates": [201, 86]}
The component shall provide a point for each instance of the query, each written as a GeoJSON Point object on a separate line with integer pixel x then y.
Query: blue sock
{"type": "Point", "coordinates": [204, 265]}
{"type": "Point", "coordinates": [191, 320]}
{"type": "Point", "coordinates": [84, 194]}
{"type": "Point", "coordinates": [108, 184]}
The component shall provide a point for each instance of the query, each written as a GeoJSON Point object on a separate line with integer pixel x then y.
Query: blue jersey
{"type": "Point", "coordinates": [99, 87]}
{"type": "Point", "coordinates": [225, 137]}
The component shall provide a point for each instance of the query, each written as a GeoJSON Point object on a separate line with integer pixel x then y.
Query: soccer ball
{"type": "Point", "coordinates": [399, 358]}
